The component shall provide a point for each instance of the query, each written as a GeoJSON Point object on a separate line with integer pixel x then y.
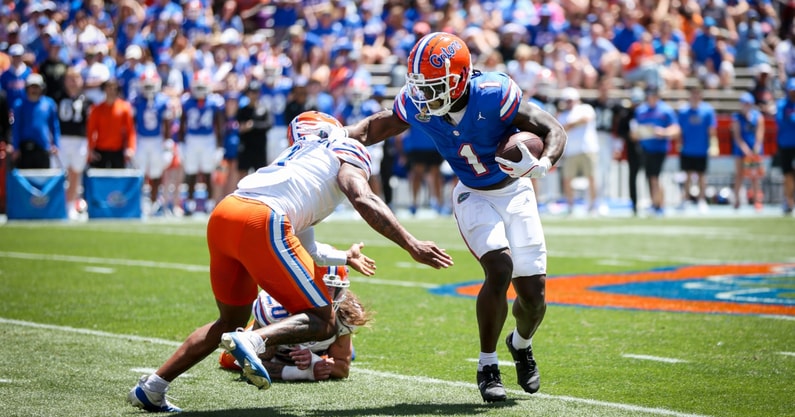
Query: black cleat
{"type": "Point", "coordinates": [526, 370]}
{"type": "Point", "coordinates": [490, 384]}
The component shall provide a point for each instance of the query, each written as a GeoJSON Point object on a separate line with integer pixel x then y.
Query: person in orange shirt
{"type": "Point", "coordinates": [110, 130]}
{"type": "Point", "coordinates": [642, 64]}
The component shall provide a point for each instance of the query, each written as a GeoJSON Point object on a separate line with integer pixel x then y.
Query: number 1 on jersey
{"type": "Point", "coordinates": [472, 159]}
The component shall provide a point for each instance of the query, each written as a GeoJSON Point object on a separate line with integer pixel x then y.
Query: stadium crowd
{"type": "Point", "coordinates": [200, 76]}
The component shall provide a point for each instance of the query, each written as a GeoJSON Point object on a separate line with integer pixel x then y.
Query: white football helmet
{"type": "Point", "coordinates": [313, 123]}
{"type": "Point", "coordinates": [358, 90]}
{"type": "Point", "coordinates": [336, 279]}
{"type": "Point", "coordinates": [150, 82]}
{"type": "Point", "coordinates": [200, 87]}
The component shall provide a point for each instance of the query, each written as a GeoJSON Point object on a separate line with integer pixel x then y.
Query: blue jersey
{"type": "Point", "coordinates": [200, 117]}
{"type": "Point", "coordinates": [351, 114]}
{"type": "Point", "coordinates": [36, 121]}
{"type": "Point", "coordinates": [150, 115]}
{"type": "Point", "coordinates": [469, 146]}
{"type": "Point", "coordinates": [747, 129]}
{"type": "Point", "coordinates": [661, 115]}
{"type": "Point", "coordinates": [275, 98]}
{"type": "Point", "coordinates": [14, 84]}
{"type": "Point", "coordinates": [785, 118]}
{"type": "Point", "coordinates": [696, 123]}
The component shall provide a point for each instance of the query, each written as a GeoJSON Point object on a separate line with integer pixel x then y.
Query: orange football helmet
{"type": "Point", "coordinates": [311, 123]}
{"type": "Point", "coordinates": [438, 72]}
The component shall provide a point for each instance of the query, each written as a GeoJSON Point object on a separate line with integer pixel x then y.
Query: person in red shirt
{"type": "Point", "coordinates": [110, 130]}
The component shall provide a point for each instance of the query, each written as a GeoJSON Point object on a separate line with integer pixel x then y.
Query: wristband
{"type": "Point", "coordinates": [292, 373]}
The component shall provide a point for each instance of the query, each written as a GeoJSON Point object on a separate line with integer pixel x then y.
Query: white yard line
{"type": "Point", "coordinates": [357, 369]}
{"type": "Point", "coordinates": [653, 358]}
{"type": "Point", "coordinates": [787, 353]}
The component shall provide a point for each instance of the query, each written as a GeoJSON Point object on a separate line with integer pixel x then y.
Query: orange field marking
{"type": "Point", "coordinates": [579, 290]}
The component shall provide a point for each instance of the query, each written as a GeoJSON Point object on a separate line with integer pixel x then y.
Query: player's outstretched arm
{"type": "Point", "coordinates": [377, 128]}
{"type": "Point", "coordinates": [353, 183]}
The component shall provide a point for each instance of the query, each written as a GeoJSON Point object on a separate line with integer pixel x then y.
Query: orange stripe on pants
{"type": "Point", "coordinates": [252, 246]}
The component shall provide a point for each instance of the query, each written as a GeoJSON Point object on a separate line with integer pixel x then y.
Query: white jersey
{"type": "Point", "coordinates": [268, 311]}
{"type": "Point", "coordinates": [302, 182]}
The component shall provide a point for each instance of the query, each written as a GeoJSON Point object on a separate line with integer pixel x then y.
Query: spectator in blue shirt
{"type": "Point", "coordinates": [785, 119]}
{"type": "Point", "coordinates": [748, 132]}
{"type": "Point", "coordinates": [655, 125]}
{"type": "Point", "coordinates": [698, 128]}
{"type": "Point", "coordinates": [36, 130]}
{"type": "Point", "coordinates": [13, 79]}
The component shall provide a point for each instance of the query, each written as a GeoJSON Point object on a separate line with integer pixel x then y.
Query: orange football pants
{"type": "Point", "coordinates": [251, 246]}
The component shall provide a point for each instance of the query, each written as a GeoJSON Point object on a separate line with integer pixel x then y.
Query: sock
{"type": "Point", "coordinates": [256, 340]}
{"type": "Point", "coordinates": [520, 342]}
{"type": "Point", "coordinates": [156, 384]}
{"type": "Point", "coordinates": [486, 359]}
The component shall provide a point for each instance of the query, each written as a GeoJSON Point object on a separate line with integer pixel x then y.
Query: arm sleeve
{"type": "Point", "coordinates": [321, 253]}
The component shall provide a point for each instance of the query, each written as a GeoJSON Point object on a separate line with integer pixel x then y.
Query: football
{"type": "Point", "coordinates": [507, 148]}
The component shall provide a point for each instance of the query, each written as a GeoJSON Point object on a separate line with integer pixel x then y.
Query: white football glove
{"type": "Point", "coordinates": [529, 166]}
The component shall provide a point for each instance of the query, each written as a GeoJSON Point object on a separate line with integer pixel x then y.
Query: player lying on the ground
{"type": "Point", "coordinates": [311, 361]}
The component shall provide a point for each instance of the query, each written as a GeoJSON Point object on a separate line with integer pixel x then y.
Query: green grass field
{"type": "Point", "coordinates": [85, 309]}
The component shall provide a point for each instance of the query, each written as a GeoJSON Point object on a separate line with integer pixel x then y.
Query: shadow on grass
{"type": "Point", "coordinates": [390, 410]}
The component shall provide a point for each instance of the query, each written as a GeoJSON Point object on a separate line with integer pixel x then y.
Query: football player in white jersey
{"type": "Point", "coordinates": [254, 238]}
{"type": "Point", "coordinates": [310, 361]}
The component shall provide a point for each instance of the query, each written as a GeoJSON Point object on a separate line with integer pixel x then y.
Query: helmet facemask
{"type": "Point", "coordinates": [337, 288]}
{"type": "Point", "coordinates": [423, 92]}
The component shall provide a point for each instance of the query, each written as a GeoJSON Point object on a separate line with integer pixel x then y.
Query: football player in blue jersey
{"type": "Point", "coordinates": [153, 116]}
{"type": "Point", "coordinates": [467, 113]}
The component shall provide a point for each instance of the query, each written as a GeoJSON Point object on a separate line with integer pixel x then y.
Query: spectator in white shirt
{"type": "Point", "coordinates": [582, 149]}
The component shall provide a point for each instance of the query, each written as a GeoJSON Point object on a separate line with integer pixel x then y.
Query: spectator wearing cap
{"type": "Point", "coordinates": [655, 125]}
{"type": "Point", "coordinates": [254, 121]}
{"type": "Point", "coordinates": [581, 157]}
{"type": "Point", "coordinates": [130, 71]}
{"type": "Point", "coordinates": [31, 25]}
{"type": "Point", "coordinates": [111, 130]}
{"type": "Point", "coordinates": [275, 92]}
{"type": "Point", "coordinates": [36, 130]}
{"type": "Point", "coordinates": [748, 134]}
{"type": "Point", "coordinates": [698, 133]}
{"type": "Point", "coordinates": [764, 84]}
{"type": "Point", "coordinates": [53, 69]}
{"type": "Point", "coordinates": [95, 74]}
{"type": "Point", "coordinates": [13, 79]}
{"type": "Point", "coordinates": [785, 139]}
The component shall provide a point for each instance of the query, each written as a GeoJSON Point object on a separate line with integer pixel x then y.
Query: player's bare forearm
{"type": "Point", "coordinates": [533, 119]}
{"type": "Point", "coordinates": [377, 128]}
{"type": "Point", "coordinates": [373, 210]}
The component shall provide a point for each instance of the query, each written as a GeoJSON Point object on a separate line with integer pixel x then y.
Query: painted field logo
{"type": "Point", "coordinates": [737, 289]}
